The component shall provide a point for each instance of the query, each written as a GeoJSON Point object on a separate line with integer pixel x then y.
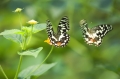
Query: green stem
{"type": "Point", "coordinates": [32, 29]}
{"type": "Point", "coordinates": [41, 63]}
{"type": "Point", "coordinates": [20, 20]}
{"type": "Point", "coordinates": [3, 72]}
{"type": "Point", "coordinates": [18, 69]}
{"type": "Point", "coordinates": [20, 61]}
{"type": "Point", "coordinates": [24, 42]}
{"type": "Point", "coordinates": [29, 38]}
{"type": "Point", "coordinates": [23, 48]}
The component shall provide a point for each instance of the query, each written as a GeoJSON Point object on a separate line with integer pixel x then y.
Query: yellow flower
{"type": "Point", "coordinates": [18, 10]}
{"type": "Point", "coordinates": [32, 22]}
{"type": "Point", "coordinates": [48, 41]}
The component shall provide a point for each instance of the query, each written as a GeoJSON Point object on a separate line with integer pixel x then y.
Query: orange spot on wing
{"type": "Point", "coordinates": [92, 40]}
{"type": "Point", "coordinates": [58, 43]}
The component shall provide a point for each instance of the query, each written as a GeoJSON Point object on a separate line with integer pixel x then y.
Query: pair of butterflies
{"type": "Point", "coordinates": [91, 36]}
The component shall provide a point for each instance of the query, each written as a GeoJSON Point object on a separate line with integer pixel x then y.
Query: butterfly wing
{"type": "Point", "coordinates": [85, 30]}
{"type": "Point", "coordinates": [102, 30]}
{"type": "Point", "coordinates": [61, 38]}
{"type": "Point", "coordinates": [50, 32]}
{"type": "Point", "coordinates": [95, 34]}
{"type": "Point", "coordinates": [63, 28]}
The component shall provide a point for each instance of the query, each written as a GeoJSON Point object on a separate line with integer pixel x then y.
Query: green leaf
{"type": "Point", "coordinates": [39, 27]}
{"type": "Point", "coordinates": [33, 52]}
{"type": "Point", "coordinates": [27, 72]}
{"type": "Point", "coordinates": [12, 35]}
{"type": "Point", "coordinates": [8, 32]}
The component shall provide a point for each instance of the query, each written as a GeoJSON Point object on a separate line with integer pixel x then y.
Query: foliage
{"type": "Point", "coordinates": [23, 37]}
{"type": "Point", "coordinates": [38, 72]}
{"type": "Point", "coordinates": [75, 61]}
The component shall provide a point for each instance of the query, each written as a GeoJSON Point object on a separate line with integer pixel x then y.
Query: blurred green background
{"type": "Point", "coordinates": [75, 61]}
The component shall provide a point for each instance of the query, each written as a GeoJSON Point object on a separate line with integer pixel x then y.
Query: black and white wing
{"type": "Point", "coordinates": [85, 29]}
{"type": "Point", "coordinates": [100, 31]}
{"type": "Point", "coordinates": [63, 26]}
{"type": "Point", "coordinates": [61, 38]}
{"type": "Point", "coordinates": [49, 28]}
{"type": "Point", "coordinates": [50, 32]}
{"type": "Point", "coordinates": [103, 29]}
{"type": "Point", "coordinates": [95, 34]}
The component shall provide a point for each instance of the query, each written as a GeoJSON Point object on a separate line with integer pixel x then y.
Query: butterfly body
{"type": "Point", "coordinates": [61, 38]}
{"type": "Point", "coordinates": [94, 35]}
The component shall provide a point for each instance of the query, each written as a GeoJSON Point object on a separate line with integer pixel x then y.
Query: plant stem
{"type": "Point", "coordinates": [3, 72]}
{"type": "Point", "coordinates": [24, 43]}
{"type": "Point", "coordinates": [23, 46]}
{"type": "Point", "coordinates": [41, 63]}
{"type": "Point", "coordinates": [20, 20]}
{"type": "Point", "coordinates": [29, 38]}
{"type": "Point", "coordinates": [18, 69]}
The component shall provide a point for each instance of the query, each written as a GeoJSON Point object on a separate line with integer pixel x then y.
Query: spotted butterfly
{"type": "Point", "coordinates": [61, 38]}
{"type": "Point", "coordinates": [94, 35]}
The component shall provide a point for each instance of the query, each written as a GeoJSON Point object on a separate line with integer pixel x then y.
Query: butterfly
{"type": "Point", "coordinates": [61, 38]}
{"type": "Point", "coordinates": [96, 34]}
